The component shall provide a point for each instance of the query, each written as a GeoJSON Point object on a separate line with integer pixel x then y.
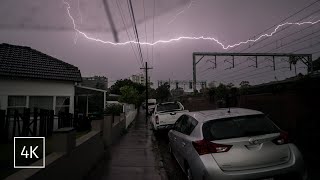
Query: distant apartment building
{"type": "Point", "coordinates": [186, 86]}
{"type": "Point", "coordinates": [98, 82]}
{"type": "Point", "coordinates": [139, 78]}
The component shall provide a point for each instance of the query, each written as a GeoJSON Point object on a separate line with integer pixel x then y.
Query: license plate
{"type": "Point", "coordinates": [268, 179]}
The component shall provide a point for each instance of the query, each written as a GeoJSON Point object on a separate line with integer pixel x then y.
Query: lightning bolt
{"type": "Point", "coordinates": [182, 11]}
{"type": "Point", "coordinates": [185, 37]}
{"type": "Point", "coordinates": [79, 13]}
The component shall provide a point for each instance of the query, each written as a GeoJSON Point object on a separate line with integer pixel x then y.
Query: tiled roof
{"type": "Point", "coordinates": [26, 63]}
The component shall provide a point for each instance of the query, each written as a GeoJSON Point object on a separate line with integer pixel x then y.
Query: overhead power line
{"type": "Point", "coordinates": [312, 13]}
{"type": "Point", "coordinates": [283, 20]}
{"type": "Point", "coordinates": [145, 29]}
{"type": "Point", "coordinates": [125, 25]}
{"type": "Point", "coordinates": [135, 29]}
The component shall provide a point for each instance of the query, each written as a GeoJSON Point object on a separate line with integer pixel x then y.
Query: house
{"type": "Point", "coordinates": [29, 78]}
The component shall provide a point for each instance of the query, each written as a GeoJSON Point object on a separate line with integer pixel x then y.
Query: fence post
{"type": "Point", "coordinates": [35, 121]}
{"type": "Point", "coordinates": [14, 123]}
{"type": "Point", "coordinates": [25, 122]}
{"type": "Point", "coordinates": [2, 125]}
{"type": "Point", "coordinates": [59, 120]}
{"type": "Point", "coordinates": [6, 127]}
{"type": "Point", "coordinates": [41, 125]}
{"type": "Point", "coordinates": [50, 123]}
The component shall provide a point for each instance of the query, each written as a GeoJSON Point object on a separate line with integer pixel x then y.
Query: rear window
{"type": "Point", "coordinates": [243, 126]}
{"type": "Point", "coordinates": [168, 107]}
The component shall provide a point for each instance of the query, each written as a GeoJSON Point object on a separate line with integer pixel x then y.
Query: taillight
{"type": "Point", "coordinates": [282, 139]}
{"type": "Point", "coordinates": [157, 119]}
{"type": "Point", "coordinates": [207, 147]}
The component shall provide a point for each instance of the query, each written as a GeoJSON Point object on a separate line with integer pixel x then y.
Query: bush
{"type": "Point", "coordinates": [113, 109]}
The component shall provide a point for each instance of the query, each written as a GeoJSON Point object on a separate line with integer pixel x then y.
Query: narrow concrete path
{"type": "Point", "coordinates": [134, 157]}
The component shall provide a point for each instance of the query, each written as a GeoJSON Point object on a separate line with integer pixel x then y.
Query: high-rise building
{"type": "Point", "coordinates": [186, 86]}
{"type": "Point", "coordinates": [139, 78]}
{"type": "Point", "coordinates": [99, 82]}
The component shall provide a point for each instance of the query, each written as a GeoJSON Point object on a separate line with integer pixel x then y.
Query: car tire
{"type": "Point", "coordinates": [189, 172]}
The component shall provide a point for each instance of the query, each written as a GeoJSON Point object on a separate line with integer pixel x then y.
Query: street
{"type": "Point", "coordinates": [135, 156]}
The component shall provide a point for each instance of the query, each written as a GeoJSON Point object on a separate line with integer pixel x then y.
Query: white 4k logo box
{"type": "Point", "coordinates": [29, 152]}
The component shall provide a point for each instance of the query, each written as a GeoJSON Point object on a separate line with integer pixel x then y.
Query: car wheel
{"type": "Point", "coordinates": [189, 173]}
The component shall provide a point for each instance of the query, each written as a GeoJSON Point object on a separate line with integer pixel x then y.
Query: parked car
{"type": "Point", "coordinates": [239, 144]}
{"type": "Point", "coordinates": [166, 114]}
{"type": "Point", "coordinates": [151, 105]}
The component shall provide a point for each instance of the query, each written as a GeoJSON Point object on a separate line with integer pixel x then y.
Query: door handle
{"type": "Point", "coordinates": [183, 144]}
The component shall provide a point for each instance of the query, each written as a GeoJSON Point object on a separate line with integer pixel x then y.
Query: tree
{"type": "Point", "coordinates": [163, 92]}
{"type": "Point", "coordinates": [221, 92]}
{"type": "Point", "coordinates": [244, 85]}
{"type": "Point", "coordinates": [230, 85]}
{"type": "Point", "coordinates": [212, 84]}
{"type": "Point", "coordinates": [128, 95]}
{"type": "Point", "coordinates": [115, 89]}
{"type": "Point", "coordinates": [316, 64]}
{"type": "Point", "coordinates": [152, 93]}
{"type": "Point", "coordinates": [212, 93]}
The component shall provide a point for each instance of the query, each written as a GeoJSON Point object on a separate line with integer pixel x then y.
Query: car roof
{"type": "Point", "coordinates": [203, 116]}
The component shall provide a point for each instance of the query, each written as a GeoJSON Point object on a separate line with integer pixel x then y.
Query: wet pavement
{"type": "Point", "coordinates": [134, 157]}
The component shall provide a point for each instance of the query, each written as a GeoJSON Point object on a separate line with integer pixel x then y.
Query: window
{"type": "Point", "coordinates": [188, 125]}
{"type": "Point", "coordinates": [41, 102]}
{"type": "Point", "coordinates": [238, 127]}
{"type": "Point", "coordinates": [17, 103]}
{"type": "Point", "coordinates": [62, 104]}
{"type": "Point", "coordinates": [168, 107]}
{"type": "Point", "coordinates": [179, 122]}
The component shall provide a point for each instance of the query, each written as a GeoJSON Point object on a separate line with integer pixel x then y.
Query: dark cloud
{"type": "Point", "coordinates": [45, 25]}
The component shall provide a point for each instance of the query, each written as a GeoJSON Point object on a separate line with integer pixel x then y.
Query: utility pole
{"type": "Point", "coordinates": [146, 68]}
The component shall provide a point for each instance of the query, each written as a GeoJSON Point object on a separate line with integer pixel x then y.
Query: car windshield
{"type": "Point", "coordinates": [168, 107]}
{"type": "Point", "coordinates": [235, 127]}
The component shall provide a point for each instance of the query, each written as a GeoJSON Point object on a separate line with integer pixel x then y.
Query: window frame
{"type": "Point", "coordinates": [9, 108]}
{"type": "Point", "coordinates": [61, 106]}
{"type": "Point", "coordinates": [32, 108]}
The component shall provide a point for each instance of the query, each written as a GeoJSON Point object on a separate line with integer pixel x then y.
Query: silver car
{"type": "Point", "coordinates": [235, 144]}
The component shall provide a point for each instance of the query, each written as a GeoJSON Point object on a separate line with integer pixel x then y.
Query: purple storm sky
{"type": "Point", "coordinates": [45, 25]}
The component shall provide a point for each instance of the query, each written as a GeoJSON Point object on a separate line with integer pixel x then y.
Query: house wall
{"type": "Point", "coordinates": [36, 88]}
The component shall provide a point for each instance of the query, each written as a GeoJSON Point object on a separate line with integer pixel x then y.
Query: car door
{"type": "Point", "coordinates": [185, 147]}
{"type": "Point", "coordinates": [173, 137]}
{"type": "Point", "coordinates": [180, 139]}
